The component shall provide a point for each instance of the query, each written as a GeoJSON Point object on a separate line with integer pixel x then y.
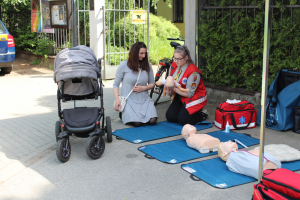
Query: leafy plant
{"type": "Point", "coordinates": [36, 62]}
{"type": "Point", "coordinates": [159, 30]}
{"type": "Point", "coordinates": [234, 49]}
{"type": "Point", "coordinates": [43, 47]}
{"type": "Point", "coordinates": [25, 39]}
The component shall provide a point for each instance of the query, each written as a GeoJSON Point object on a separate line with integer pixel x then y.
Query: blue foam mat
{"type": "Point", "coordinates": [177, 151]}
{"type": "Point", "coordinates": [153, 132]}
{"type": "Point", "coordinates": [216, 173]}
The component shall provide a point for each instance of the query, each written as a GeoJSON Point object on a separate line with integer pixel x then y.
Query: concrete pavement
{"type": "Point", "coordinates": [29, 168]}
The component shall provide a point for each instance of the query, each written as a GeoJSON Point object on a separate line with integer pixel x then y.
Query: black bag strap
{"type": "Point", "coordinates": [234, 123]}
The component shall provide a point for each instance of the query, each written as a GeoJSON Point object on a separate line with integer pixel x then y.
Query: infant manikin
{"type": "Point", "coordinates": [245, 162]}
{"type": "Point", "coordinates": [202, 142]}
{"type": "Point", "coordinates": [170, 84]}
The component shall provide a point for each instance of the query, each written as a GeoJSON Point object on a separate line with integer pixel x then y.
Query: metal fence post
{"type": "Point", "coordinates": [200, 49]}
{"type": "Point", "coordinates": [74, 25]}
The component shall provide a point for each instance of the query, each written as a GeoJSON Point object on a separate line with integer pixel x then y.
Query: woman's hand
{"type": "Point", "coordinates": [138, 88]}
{"type": "Point", "coordinates": [117, 105]}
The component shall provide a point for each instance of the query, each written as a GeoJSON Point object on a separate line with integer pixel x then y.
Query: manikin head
{"type": "Point", "coordinates": [187, 130]}
{"type": "Point", "coordinates": [170, 82]}
{"type": "Point", "coordinates": [224, 148]}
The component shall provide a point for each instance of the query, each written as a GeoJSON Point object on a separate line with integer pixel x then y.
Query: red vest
{"type": "Point", "coordinates": [199, 99]}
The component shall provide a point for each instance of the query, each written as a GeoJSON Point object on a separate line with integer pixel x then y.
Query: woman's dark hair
{"type": "Point", "coordinates": [133, 60]}
{"type": "Point", "coordinates": [184, 51]}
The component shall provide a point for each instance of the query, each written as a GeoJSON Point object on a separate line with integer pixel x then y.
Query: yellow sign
{"type": "Point", "coordinates": [138, 17]}
{"type": "Point", "coordinates": [3, 37]}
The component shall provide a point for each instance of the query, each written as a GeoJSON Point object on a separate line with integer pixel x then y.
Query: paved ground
{"type": "Point", "coordinates": [29, 168]}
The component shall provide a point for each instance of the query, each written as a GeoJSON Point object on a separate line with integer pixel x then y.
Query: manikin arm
{"type": "Point", "coordinates": [158, 83]}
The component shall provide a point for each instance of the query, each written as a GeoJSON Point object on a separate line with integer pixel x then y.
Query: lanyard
{"type": "Point", "coordinates": [178, 74]}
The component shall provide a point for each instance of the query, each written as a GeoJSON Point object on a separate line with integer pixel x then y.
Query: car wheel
{"type": "Point", "coordinates": [6, 70]}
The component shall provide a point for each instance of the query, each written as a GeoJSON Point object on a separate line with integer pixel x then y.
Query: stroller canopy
{"type": "Point", "coordinates": [76, 62]}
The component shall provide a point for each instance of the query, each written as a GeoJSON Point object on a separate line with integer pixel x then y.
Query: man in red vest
{"type": "Point", "coordinates": [187, 107]}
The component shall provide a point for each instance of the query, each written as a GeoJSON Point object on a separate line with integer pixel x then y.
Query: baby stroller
{"type": "Point", "coordinates": [78, 76]}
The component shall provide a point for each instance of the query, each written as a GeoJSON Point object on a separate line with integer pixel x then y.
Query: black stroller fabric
{"type": "Point", "coordinates": [80, 117]}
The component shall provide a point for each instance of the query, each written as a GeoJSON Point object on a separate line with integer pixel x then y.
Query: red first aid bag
{"type": "Point", "coordinates": [240, 115]}
{"type": "Point", "coordinates": [262, 192]}
{"type": "Point", "coordinates": [278, 184]}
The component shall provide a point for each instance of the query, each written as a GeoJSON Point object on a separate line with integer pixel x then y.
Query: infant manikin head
{"type": "Point", "coordinates": [170, 82]}
{"type": "Point", "coordinates": [224, 148]}
{"type": "Point", "coordinates": [187, 130]}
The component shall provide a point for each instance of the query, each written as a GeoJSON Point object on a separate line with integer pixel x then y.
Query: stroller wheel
{"type": "Point", "coordinates": [57, 129]}
{"type": "Point", "coordinates": [108, 129]}
{"type": "Point", "coordinates": [63, 152]}
{"type": "Point", "coordinates": [92, 148]}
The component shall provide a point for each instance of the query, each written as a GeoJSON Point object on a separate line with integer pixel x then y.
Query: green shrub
{"type": "Point", "coordinates": [116, 59]}
{"type": "Point", "coordinates": [43, 47]}
{"type": "Point", "coordinates": [159, 30]}
{"type": "Point", "coordinates": [159, 49]}
{"type": "Point", "coordinates": [36, 62]}
{"type": "Point", "coordinates": [159, 27]}
{"type": "Point", "coordinates": [234, 54]}
{"type": "Point", "coordinates": [25, 39]}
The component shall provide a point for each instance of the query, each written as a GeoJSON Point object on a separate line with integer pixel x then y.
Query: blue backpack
{"type": "Point", "coordinates": [283, 96]}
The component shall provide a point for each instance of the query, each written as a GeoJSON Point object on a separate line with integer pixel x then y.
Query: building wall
{"type": "Point", "coordinates": [166, 12]}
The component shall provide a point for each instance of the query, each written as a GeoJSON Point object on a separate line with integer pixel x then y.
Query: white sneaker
{"type": "Point", "coordinates": [204, 113]}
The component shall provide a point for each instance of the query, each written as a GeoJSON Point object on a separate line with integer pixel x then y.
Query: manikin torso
{"type": "Point", "coordinates": [198, 141]}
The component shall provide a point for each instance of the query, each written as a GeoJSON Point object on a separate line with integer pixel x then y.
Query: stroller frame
{"type": "Point", "coordinates": [95, 145]}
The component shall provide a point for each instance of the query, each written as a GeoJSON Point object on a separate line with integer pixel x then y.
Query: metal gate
{"type": "Point", "coordinates": [121, 33]}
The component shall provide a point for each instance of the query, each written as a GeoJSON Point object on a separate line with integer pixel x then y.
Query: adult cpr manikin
{"type": "Point", "coordinates": [245, 162]}
{"type": "Point", "coordinates": [202, 142]}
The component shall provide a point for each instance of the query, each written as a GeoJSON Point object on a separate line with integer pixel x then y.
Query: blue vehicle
{"type": "Point", "coordinates": [7, 50]}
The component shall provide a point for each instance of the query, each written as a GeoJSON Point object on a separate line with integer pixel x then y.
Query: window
{"type": "Point", "coordinates": [178, 10]}
{"type": "Point", "coordinates": [2, 29]}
